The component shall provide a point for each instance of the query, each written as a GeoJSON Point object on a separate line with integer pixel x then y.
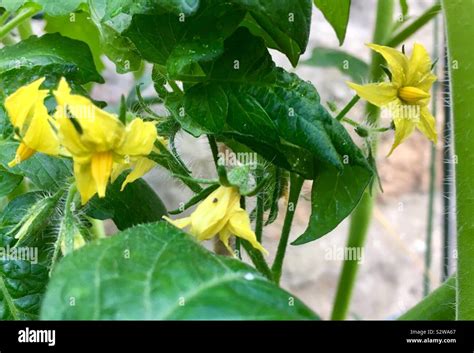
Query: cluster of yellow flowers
{"type": "Point", "coordinates": [407, 94]}
{"type": "Point", "coordinates": [102, 147]}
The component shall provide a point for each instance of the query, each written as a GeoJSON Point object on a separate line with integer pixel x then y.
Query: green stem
{"type": "Point", "coordinates": [259, 216]}
{"type": "Point", "coordinates": [360, 219]}
{"type": "Point", "coordinates": [438, 305]}
{"type": "Point", "coordinates": [408, 31]}
{"type": "Point", "coordinates": [460, 31]}
{"type": "Point", "coordinates": [257, 259]}
{"type": "Point", "coordinates": [432, 172]}
{"type": "Point", "coordinates": [296, 183]}
{"type": "Point", "coordinates": [348, 107]}
{"type": "Point", "coordinates": [25, 30]}
{"type": "Point", "coordinates": [4, 17]}
{"type": "Point", "coordinates": [15, 21]}
{"type": "Point", "coordinates": [214, 149]}
{"type": "Point", "coordinates": [359, 226]}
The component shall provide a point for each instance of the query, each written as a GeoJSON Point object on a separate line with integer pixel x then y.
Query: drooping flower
{"type": "Point", "coordinates": [407, 95]}
{"type": "Point", "coordinates": [220, 214]}
{"type": "Point", "coordinates": [98, 141]}
{"type": "Point", "coordinates": [33, 125]}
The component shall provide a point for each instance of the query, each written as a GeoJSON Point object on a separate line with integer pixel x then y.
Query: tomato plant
{"type": "Point", "coordinates": [69, 161]}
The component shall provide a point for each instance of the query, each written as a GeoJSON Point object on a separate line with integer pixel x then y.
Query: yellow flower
{"type": "Point", "coordinates": [407, 95]}
{"type": "Point", "coordinates": [98, 141]}
{"type": "Point", "coordinates": [220, 214]}
{"type": "Point", "coordinates": [30, 118]}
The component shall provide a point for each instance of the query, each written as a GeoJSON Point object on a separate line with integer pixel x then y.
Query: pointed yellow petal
{"type": "Point", "coordinates": [239, 225]}
{"type": "Point", "coordinates": [101, 168]}
{"type": "Point", "coordinates": [20, 105]}
{"type": "Point", "coordinates": [139, 139]}
{"type": "Point", "coordinates": [224, 237]}
{"type": "Point", "coordinates": [427, 125]}
{"type": "Point", "coordinates": [379, 94]}
{"type": "Point", "coordinates": [23, 152]}
{"type": "Point", "coordinates": [142, 166]}
{"type": "Point", "coordinates": [212, 214]}
{"type": "Point", "coordinates": [403, 128]}
{"type": "Point", "coordinates": [419, 69]}
{"type": "Point", "coordinates": [83, 127]}
{"type": "Point", "coordinates": [397, 62]}
{"type": "Point", "coordinates": [84, 181]}
{"type": "Point", "coordinates": [179, 223]}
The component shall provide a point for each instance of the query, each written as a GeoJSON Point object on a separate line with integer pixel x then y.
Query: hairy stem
{"type": "Point", "coordinates": [460, 31]}
{"type": "Point", "coordinates": [296, 183]}
{"type": "Point", "coordinates": [360, 219]}
{"type": "Point", "coordinates": [18, 19]}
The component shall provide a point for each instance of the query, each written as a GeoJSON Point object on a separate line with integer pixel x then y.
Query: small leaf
{"type": "Point", "coordinates": [168, 276]}
{"type": "Point", "coordinates": [336, 13]}
{"type": "Point", "coordinates": [333, 197]}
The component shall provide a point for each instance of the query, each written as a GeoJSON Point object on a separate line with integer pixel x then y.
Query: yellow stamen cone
{"type": "Point", "coordinates": [412, 95]}
{"type": "Point", "coordinates": [101, 168]}
{"type": "Point", "coordinates": [23, 152]}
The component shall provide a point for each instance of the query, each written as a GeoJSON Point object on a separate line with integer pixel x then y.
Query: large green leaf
{"type": "Point", "coordinates": [136, 204]}
{"type": "Point", "coordinates": [22, 284]}
{"type": "Point", "coordinates": [46, 172]}
{"type": "Point", "coordinates": [167, 275]}
{"type": "Point", "coordinates": [78, 26]}
{"type": "Point", "coordinates": [181, 44]}
{"type": "Point", "coordinates": [50, 55]}
{"type": "Point", "coordinates": [357, 69]}
{"type": "Point", "coordinates": [333, 197]}
{"type": "Point", "coordinates": [266, 108]}
{"type": "Point", "coordinates": [337, 14]}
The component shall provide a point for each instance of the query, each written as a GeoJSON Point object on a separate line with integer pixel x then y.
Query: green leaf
{"type": "Point", "coordinates": [349, 65]}
{"type": "Point", "coordinates": [333, 197]}
{"type": "Point", "coordinates": [167, 276]}
{"type": "Point", "coordinates": [182, 43]}
{"type": "Point", "coordinates": [8, 182]}
{"type": "Point", "coordinates": [46, 172]}
{"type": "Point", "coordinates": [50, 55]}
{"type": "Point", "coordinates": [269, 110]}
{"type": "Point", "coordinates": [284, 24]}
{"type": "Point", "coordinates": [438, 305]}
{"type": "Point", "coordinates": [336, 13]}
{"type": "Point", "coordinates": [136, 204]}
{"type": "Point", "coordinates": [78, 26]}
{"type": "Point", "coordinates": [21, 287]}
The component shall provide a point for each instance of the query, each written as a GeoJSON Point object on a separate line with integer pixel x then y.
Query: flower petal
{"type": "Point", "coordinates": [139, 139]}
{"type": "Point", "coordinates": [427, 125]}
{"type": "Point", "coordinates": [84, 181]}
{"type": "Point", "coordinates": [20, 104]}
{"type": "Point", "coordinates": [83, 127]}
{"type": "Point", "coordinates": [379, 94]}
{"type": "Point", "coordinates": [419, 69]}
{"type": "Point", "coordinates": [179, 223]}
{"type": "Point", "coordinates": [141, 167]}
{"type": "Point", "coordinates": [403, 128]}
{"type": "Point", "coordinates": [397, 62]}
{"type": "Point", "coordinates": [213, 213]}
{"type": "Point", "coordinates": [224, 237]}
{"type": "Point", "coordinates": [239, 225]}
